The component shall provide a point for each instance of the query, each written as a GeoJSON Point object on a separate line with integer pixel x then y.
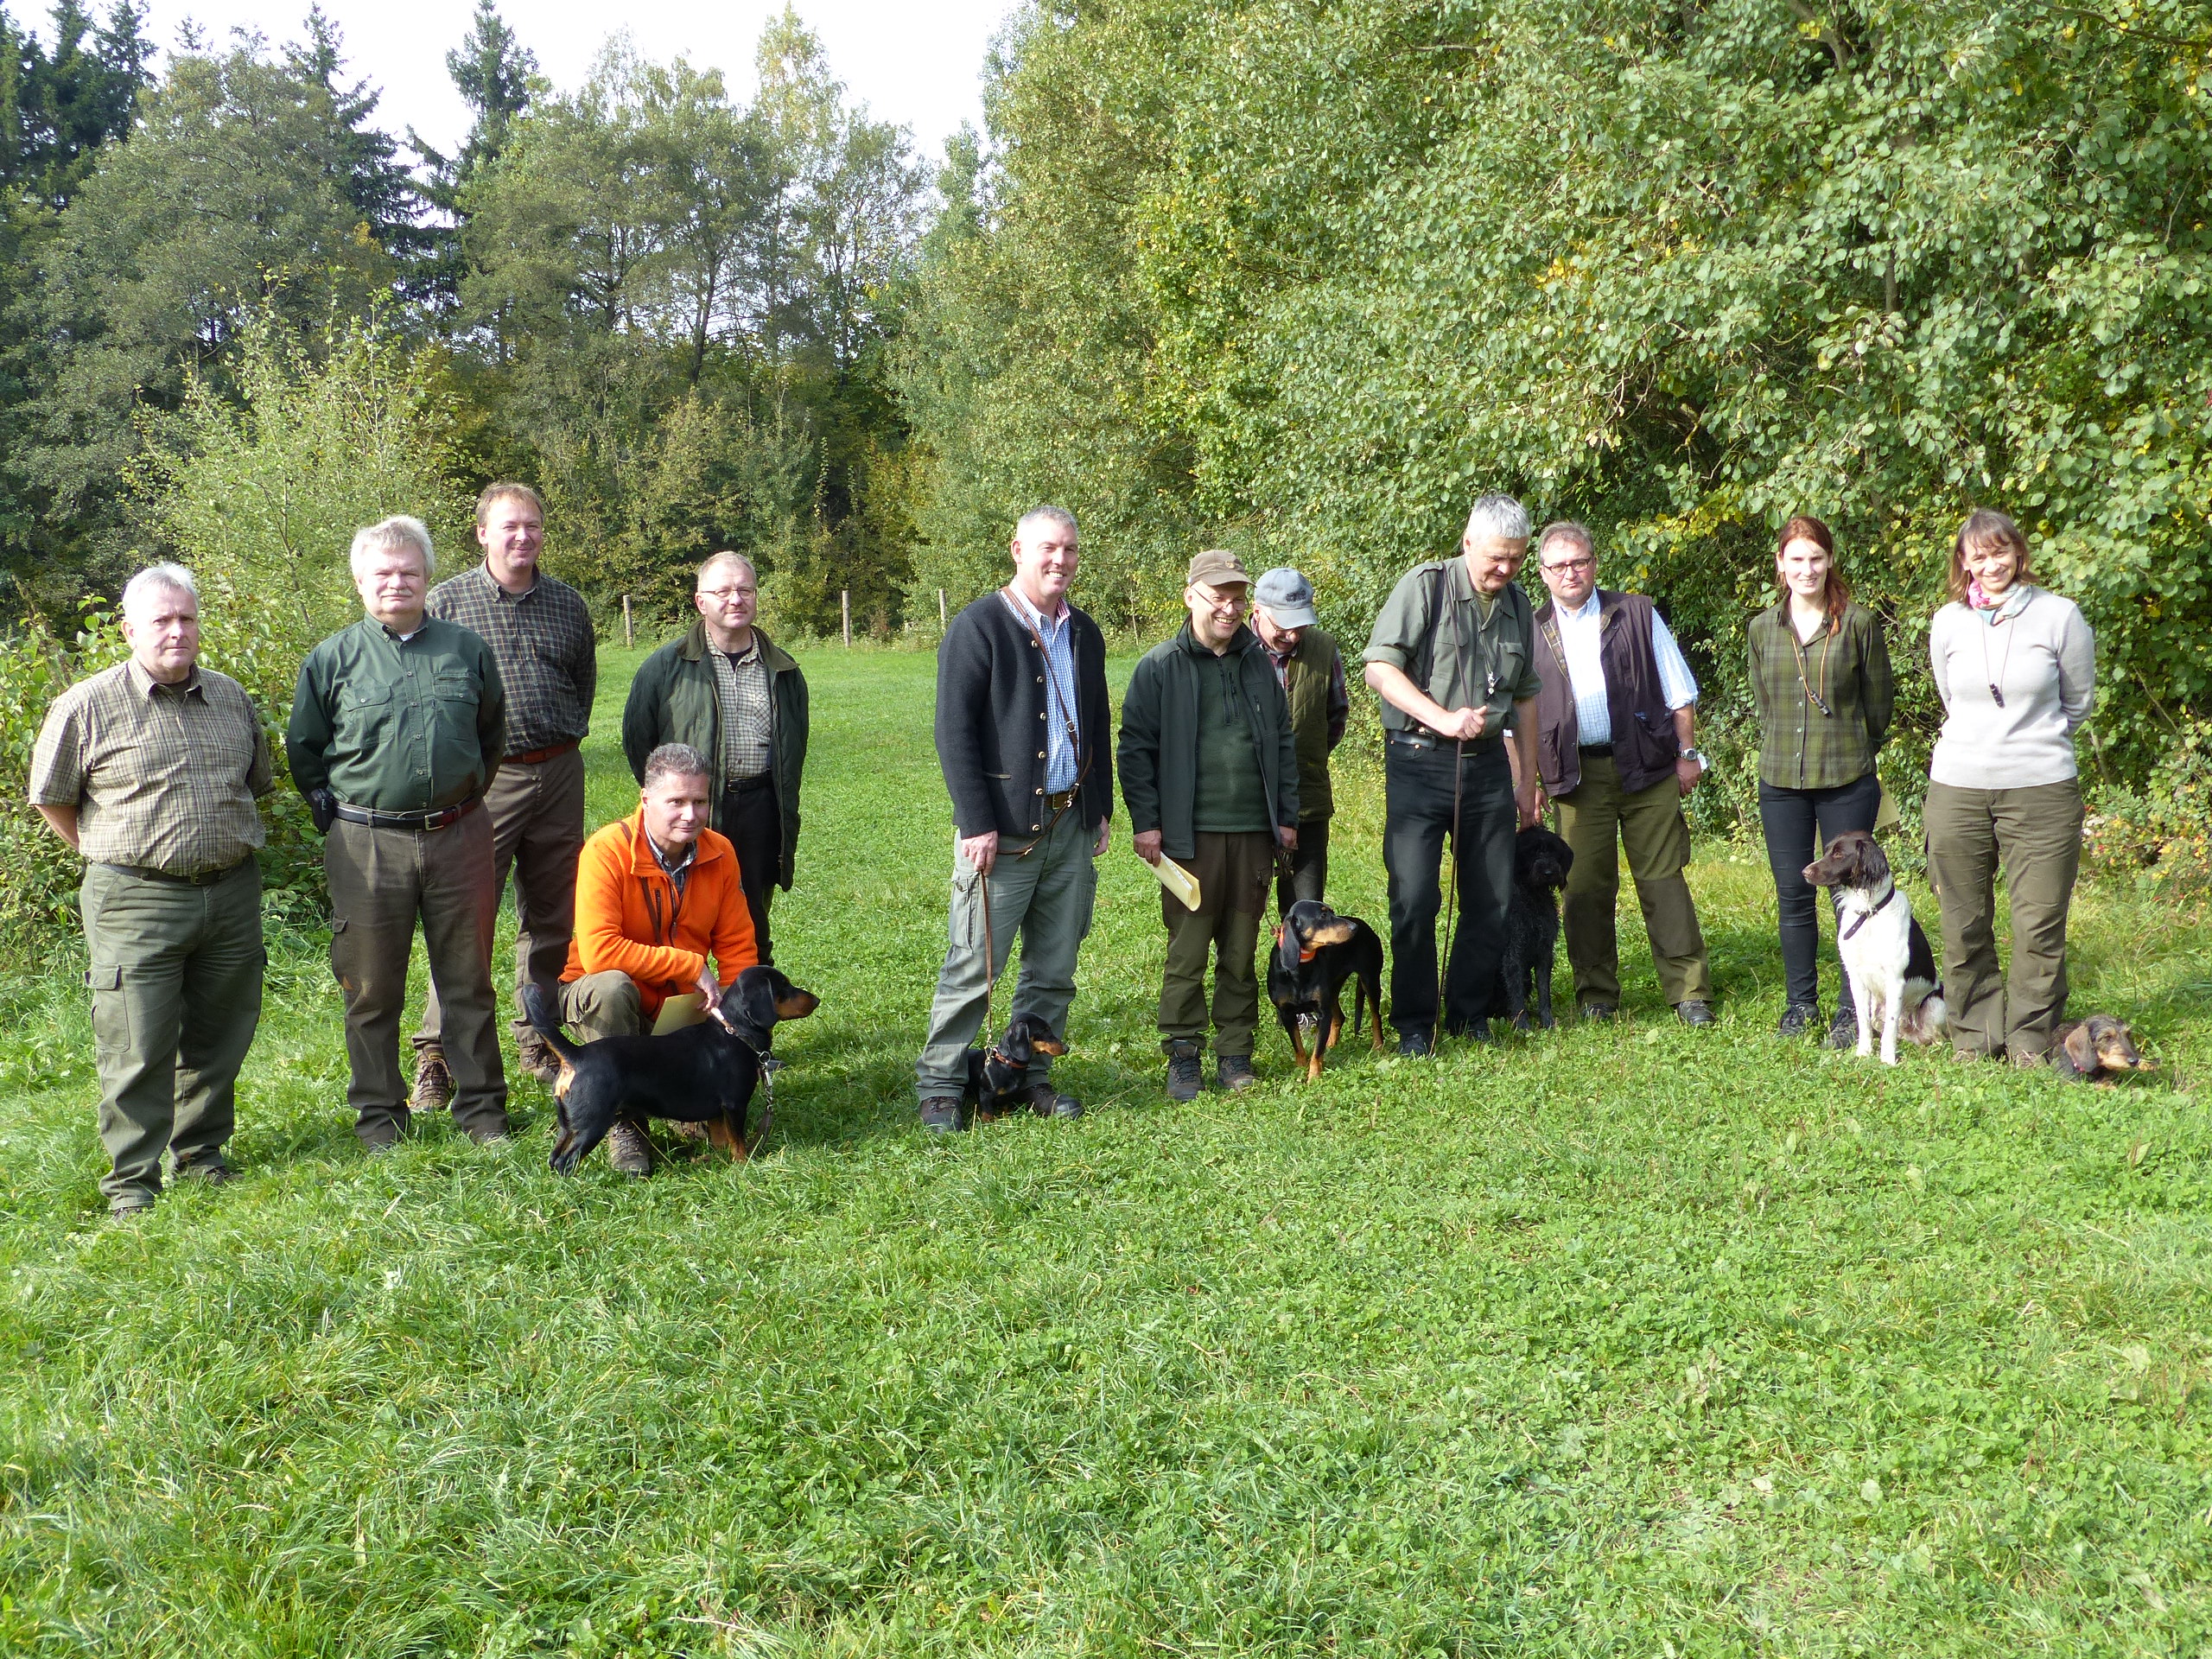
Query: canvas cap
{"type": "Point", "coordinates": [1215, 567]}
{"type": "Point", "coordinates": [1287, 596]}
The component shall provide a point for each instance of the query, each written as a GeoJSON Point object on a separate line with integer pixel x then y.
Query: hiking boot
{"type": "Point", "coordinates": [1048, 1102]}
{"type": "Point", "coordinates": [1694, 1012]}
{"type": "Point", "coordinates": [941, 1115]}
{"type": "Point", "coordinates": [1233, 1071]}
{"type": "Point", "coordinates": [1475, 1031]}
{"type": "Point", "coordinates": [433, 1083]}
{"type": "Point", "coordinates": [629, 1152]}
{"type": "Point", "coordinates": [1414, 1044]}
{"type": "Point", "coordinates": [1598, 1013]}
{"type": "Point", "coordinates": [1843, 1030]}
{"type": "Point", "coordinates": [208, 1171]}
{"type": "Point", "coordinates": [1183, 1080]}
{"type": "Point", "coordinates": [536, 1057]}
{"type": "Point", "coordinates": [1798, 1019]}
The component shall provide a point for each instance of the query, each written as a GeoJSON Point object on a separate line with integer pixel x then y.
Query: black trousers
{"type": "Point", "coordinates": [1418, 792]}
{"type": "Point", "coordinates": [749, 816]}
{"type": "Point", "coordinates": [1789, 817]}
{"type": "Point", "coordinates": [1309, 868]}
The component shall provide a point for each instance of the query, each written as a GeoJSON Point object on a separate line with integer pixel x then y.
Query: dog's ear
{"type": "Point", "coordinates": [1873, 863]}
{"type": "Point", "coordinates": [1336, 931]}
{"type": "Point", "coordinates": [756, 997]}
{"type": "Point", "coordinates": [2082, 1048]}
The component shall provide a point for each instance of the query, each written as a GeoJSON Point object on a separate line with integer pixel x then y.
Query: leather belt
{"type": "Point", "coordinates": [531, 757]}
{"type": "Point", "coordinates": [419, 821]}
{"type": "Point", "coordinates": [204, 879]}
{"type": "Point", "coordinates": [763, 780]}
{"type": "Point", "coordinates": [1594, 749]}
{"type": "Point", "coordinates": [1061, 801]}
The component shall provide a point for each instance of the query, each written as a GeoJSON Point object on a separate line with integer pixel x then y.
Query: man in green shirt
{"type": "Point", "coordinates": [1453, 656]}
{"type": "Point", "coordinates": [1210, 770]}
{"type": "Point", "coordinates": [397, 727]}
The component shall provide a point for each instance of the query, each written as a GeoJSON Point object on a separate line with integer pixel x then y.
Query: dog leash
{"type": "Point", "coordinates": [1452, 881]}
{"type": "Point", "coordinates": [768, 1066]}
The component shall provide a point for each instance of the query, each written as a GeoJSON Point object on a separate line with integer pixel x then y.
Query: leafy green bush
{"type": "Point", "coordinates": [38, 873]}
{"type": "Point", "coordinates": [2159, 836]}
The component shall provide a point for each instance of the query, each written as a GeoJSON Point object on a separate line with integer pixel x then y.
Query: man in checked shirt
{"type": "Point", "coordinates": [541, 636]}
{"type": "Point", "coordinates": [149, 769]}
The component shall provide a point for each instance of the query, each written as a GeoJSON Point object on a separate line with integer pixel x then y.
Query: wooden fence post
{"type": "Point", "coordinates": [629, 637]}
{"type": "Point", "coordinates": [845, 608]}
{"type": "Point", "coordinates": [940, 611]}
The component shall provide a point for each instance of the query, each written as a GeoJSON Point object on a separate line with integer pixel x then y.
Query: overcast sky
{"type": "Point", "coordinates": [913, 61]}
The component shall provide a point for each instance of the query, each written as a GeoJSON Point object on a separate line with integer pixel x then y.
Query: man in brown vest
{"type": "Point", "coordinates": [1614, 732]}
{"type": "Point", "coordinates": [1311, 672]}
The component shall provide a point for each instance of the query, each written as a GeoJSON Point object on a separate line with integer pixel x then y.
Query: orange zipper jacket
{"type": "Point", "coordinates": [629, 918]}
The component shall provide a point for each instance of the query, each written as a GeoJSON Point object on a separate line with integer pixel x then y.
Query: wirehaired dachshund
{"type": "Point", "coordinates": [997, 1075]}
{"type": "Point", "coordinates": [1892, 971]}
{"type": "Point", "coordinates": [1316, 952]}
{"type": "Point", "coordinates": [1541, 861]}
{"type": "Point", "coordinates": [2088, 1050]}
{"type": "Point", "coordinates": [704, 1072]}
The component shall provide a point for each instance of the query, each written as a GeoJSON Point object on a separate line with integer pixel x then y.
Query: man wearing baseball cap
{"type": "Point", "coordinates": [1311, 671]}
{"type": "Point", "coordinates": [1209, 772]}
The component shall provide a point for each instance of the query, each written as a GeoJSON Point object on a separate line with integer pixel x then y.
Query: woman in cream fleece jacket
{"type": "Point", "coordinates": [2016, 668]}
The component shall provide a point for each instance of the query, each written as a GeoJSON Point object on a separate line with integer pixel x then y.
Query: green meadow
{"type": "Point", "coordinates": [1625, 1340]}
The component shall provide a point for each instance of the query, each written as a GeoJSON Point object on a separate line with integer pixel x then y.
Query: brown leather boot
{"type": "Point", "coordinates": [629, 1151]}
{"type": "Point", "coordinates": [433, 1083]}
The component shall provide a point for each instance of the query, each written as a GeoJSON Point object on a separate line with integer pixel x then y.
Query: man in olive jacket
{"type": "Point", "coordinates": [726, 691]}
{"type": "Point", "coordinates": [1210, 772]}
{"type": "Point", "coordinates": [1311, 671]}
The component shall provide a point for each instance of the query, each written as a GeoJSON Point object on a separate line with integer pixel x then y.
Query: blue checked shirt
{"type": "Point", "coordinates": [1060, 758]}
{"type": "Point", "coordinates": [1586, 670]}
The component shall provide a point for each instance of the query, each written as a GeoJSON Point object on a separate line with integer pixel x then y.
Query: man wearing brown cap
{"type": "Point", "coordinates": [1210, 772]}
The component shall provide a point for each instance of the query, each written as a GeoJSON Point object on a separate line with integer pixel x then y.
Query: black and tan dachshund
{"type": "Point", "coordinates": [1316, 952]}
{"type": "Point", "coordinates": [706, 1072]}
{"type": "Point", "coordinates": [998, 1074]}
{"type": "Point", "coordinates": [1541, 861]}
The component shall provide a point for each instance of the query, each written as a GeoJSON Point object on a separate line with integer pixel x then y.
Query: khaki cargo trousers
{"type": "Point", "coordinates": [175, 978]}
{"type": "Point", "coordinates": [1599, 821]}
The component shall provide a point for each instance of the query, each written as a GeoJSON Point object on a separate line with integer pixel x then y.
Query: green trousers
{"type": "Point", "coordinates": [1598, 821]}
{"type": "Point", "coordinates": [383, 883]}
{"type": "Point", "coordinates": [175, 979]}
{"type": "Point", "coordinates": [2034, 834]}
{"type": "Point", "coordinates": [1044, 898]}
{"type": "Point", "coordinates": [1234, 872]}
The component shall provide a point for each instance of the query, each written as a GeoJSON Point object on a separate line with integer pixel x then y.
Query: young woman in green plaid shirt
{"type": "Point", "coordinates": [1820, 680]}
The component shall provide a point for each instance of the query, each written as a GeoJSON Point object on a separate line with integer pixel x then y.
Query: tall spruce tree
{"type": "Point", "coordinates": [497, 77]}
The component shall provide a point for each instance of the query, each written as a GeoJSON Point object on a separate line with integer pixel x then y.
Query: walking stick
{"type": "Point", "coordinates": [1452, 884]}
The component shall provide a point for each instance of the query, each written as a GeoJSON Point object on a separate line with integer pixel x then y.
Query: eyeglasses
{"type": "Point", "coordinates": [1216, 600]}
{"type": "Point", "coordinates": [1565, 565]}
{"type": "Point", "coordinates": [724, 595]}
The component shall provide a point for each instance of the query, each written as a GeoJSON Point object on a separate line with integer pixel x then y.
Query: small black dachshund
{"type": "Point", "coordinates": [1316, 952]}
{"type": "Point", "coordinates": [708, 1071]}
{"type": "Point", "coordinates": [1541, 861]}
{"type": "Point", "coordinates": [998, 1074]}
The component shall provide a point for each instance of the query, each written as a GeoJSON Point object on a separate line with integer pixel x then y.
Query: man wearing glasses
{"type": "Point", "coordinates": [1451, 656]}
{"type": "Point", "coordinates": [1614, 731]}
{"type": "Point", "coordinates": [726, 691]}
{"type": "Point", "coordinates": [1210, 772]}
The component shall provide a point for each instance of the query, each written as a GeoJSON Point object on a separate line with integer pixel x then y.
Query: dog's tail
{"type": "Point", "coordinates": [542, 1021]}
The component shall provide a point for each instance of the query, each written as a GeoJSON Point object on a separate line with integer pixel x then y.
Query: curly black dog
{"type": "Point", "coordinates": [998, 1074]}
{"type": "Point", "coordinates": [707, 1072]}
{"type": "Point", "coordinates": [1541, 861]}
{"type": "Point", "coordinates": [1316, 952]}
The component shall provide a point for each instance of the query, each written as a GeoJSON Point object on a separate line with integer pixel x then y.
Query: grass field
{"type": "Point", "coordinates": [1624, 1340]}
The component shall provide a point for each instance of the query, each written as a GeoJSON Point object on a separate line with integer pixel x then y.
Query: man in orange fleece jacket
{"type": "Point", "coordinates": [657, 894]}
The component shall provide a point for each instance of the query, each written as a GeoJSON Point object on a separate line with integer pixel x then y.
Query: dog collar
{"type": "Point", "coordinates": [1871, 911]}
{"type": "Point", "coordinates": [1304, 953]}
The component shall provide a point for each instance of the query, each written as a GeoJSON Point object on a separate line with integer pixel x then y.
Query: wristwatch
{"type": "Point", "coordinates": [1697, 755]}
